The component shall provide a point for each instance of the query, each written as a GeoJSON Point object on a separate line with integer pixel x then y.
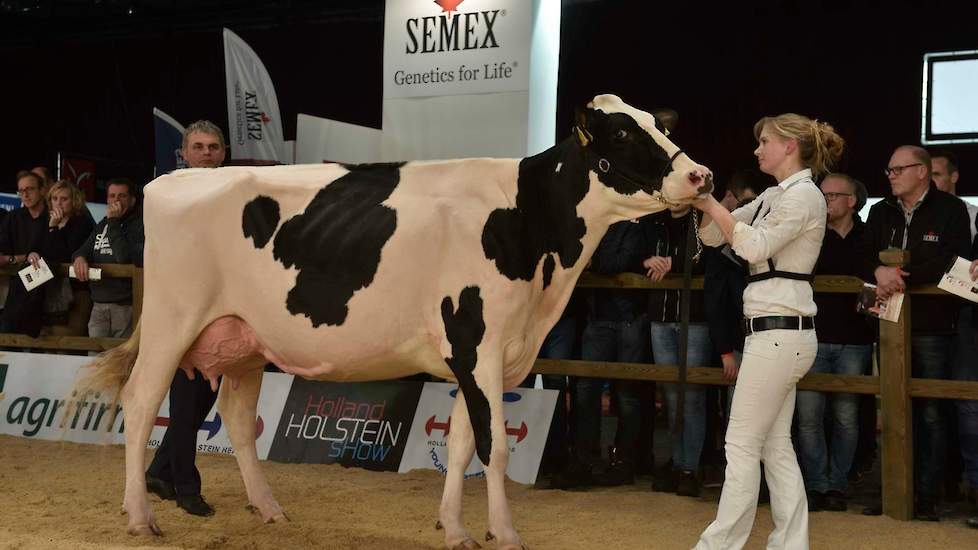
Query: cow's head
{"type": "Point", "coordinates": [632, 156]}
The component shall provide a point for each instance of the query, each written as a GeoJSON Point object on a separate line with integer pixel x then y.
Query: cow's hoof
{"type": "Point", "coordinates": [145, 529]}
{"type": "Point", "coordinates": [467, 544]}
{"type": "Point", "coordinates": [278, 518]}
{"type": "Point", "coordinates": [439, 526]}
{"type": "Point", "coordinates": [521, 546]}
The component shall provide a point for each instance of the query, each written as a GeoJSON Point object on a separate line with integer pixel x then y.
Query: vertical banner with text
{"type": "Point", "coordinates": [255, 131]}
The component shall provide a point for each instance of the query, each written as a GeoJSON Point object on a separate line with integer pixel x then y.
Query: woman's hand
{"type": "Point", "coordinates": [57, 217]}
{"type": "Point", "coordinates": [730, 367]}
{"type": "Point", "coordinates": [34, 258]}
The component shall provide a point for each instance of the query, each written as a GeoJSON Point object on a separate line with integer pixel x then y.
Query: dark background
{"type": "Point", "coordinates": [83, 76]}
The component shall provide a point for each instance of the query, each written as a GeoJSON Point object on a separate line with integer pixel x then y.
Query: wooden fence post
{"type": "Point", "coordinates": [895, 405]}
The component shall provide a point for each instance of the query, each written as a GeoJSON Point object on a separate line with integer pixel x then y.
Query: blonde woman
{"type": "Point", "coordinates": [780, 235]}
{"type": "Point", "coordinates": [69, 224]}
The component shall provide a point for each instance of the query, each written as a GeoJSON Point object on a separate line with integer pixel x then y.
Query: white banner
{"type": "Point", "coordinates": [452, 47]}
{"type": "Point", "coordinates": [34, 388]}
{"type": "Point", "coordinates": [528, 414]}
{"type": "Point", "coordinates": [325, 140]}
{"type": "Point", "coordinates": [255, 131]}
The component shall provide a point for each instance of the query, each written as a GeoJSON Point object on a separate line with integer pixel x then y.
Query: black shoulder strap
{"type": "Point", "coordinates": [772, 272]}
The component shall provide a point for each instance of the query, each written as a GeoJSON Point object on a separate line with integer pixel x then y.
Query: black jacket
{"type": "Point", "coordinates": [669, 235]}
{"type": "Point", "coordinates": [938, 232]}
{"type": "Point", "coordinates": [115, 241]}
{"type": "Point", "coordinates": [724, 282]}
{"type": "Point", "coordinates": [621, 250]}
{"type": "Point", "coordinates": [837, 321]}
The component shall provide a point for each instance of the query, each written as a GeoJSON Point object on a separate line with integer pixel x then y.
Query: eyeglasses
{"type": "Point", "coordinates": [897, 170]}
{"type": "Point", "coordinates": [829, 197]}
{"type": "Point", "coordinates": [26, 191]}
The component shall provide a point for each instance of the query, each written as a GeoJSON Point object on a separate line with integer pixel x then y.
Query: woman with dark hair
{"type": "Point", "coordinates": [69, 224]}
{"type": "Point", "coordinates": [779, 234]}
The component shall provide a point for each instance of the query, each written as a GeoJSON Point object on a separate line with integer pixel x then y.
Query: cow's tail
{"type": "Point", "coordinates": [104, 378]}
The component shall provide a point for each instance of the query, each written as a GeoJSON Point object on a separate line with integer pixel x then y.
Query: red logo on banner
{"type": "Point", "coordinates": [449, 5]}
{"type": "Point", "coordinates": [81, 172]}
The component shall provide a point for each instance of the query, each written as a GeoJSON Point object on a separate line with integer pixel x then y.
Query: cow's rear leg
{"type": "Point", "coordinates": [238, 407]}
{"type": "Point", "coordinates": [141, 397]}
{"type": "Point", "coordinates": [461, 447]}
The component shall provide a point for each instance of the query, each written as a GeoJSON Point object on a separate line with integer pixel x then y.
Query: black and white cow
{"type": "Point", "coordinates": [455, 268]}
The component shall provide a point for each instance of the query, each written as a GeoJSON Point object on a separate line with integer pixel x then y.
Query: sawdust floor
{"type": "Point", "coordinates": [67, 496]}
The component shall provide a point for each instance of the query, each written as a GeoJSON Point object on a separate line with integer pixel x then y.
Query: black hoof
{"type": "Point", "coordinates": [439, 526]}
{"type": "Point", "coordinates": [489, 536]}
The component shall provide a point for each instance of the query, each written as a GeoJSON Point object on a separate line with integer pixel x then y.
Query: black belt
{"type": "Point", "coordinates": [758, 324]}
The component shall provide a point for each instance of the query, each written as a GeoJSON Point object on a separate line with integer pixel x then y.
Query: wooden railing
{"type": "Point", "coordinates": [894, 384]}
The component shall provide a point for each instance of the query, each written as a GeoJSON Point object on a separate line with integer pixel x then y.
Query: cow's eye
{"type": "Point", "coordinates": [620, 135]}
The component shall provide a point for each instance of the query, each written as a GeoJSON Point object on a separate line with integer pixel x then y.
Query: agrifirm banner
{"type": "Point", "coordinates": [452, 47]}
{"type": "Point", "coordinates": [528, 413]}
{"type": "Point", "coordinates": [255, 125]}
{"type": "Point", "coordinates": [213, 435]}
{"type": "Point", "coordinates": [168, 139]}
{"type": "Point", "coordinates": [35, 390]}
{"type": "Point", "coordinates": [362, 424]}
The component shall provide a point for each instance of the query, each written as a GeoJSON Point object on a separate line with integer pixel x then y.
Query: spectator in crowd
{"type": "Point", "coordinates": [845, 346]}
{"type": "Point", "coordinates": [614, 332]}
{"type": "Point", "coordinates": [559, 344]}
{"type": "Point", "coordinates": [22, 228]}
{"type": "Point", "coordinates": [779, 234]}
{"type": "Point", "coordinates": [117, 239]}
{"type": "Point", "coordinates": [933, 226]}
{"type": "Point", "coordinates": [47, 180]}
{"type": "Point", "coordinates": [945, 174]}
{"type": "Point", "coordinates": [683, 477]}
{"type": "Point", "coordinates": [66, 303]}
{"type": "Point", "coordinates": [173, 473]}
{"type": "Point", "coordinates": [966, 443]}
{"type": "Point", "coordinates": [724, 282]}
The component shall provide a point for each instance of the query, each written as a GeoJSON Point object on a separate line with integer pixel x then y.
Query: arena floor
{"type": "Point", "coordinates": [67, 496]}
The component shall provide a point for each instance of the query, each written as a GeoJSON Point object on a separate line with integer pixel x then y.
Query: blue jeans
{"type": "Point", "coordinates": [821, 471]}
{"type": "Point", "coordinates": [609, 341]}
{"type": "Point", "coordinates": [687, 446]}
{"type": "Point", "coordinates": [964, 366]}
{"type": "Point", "coordinates": [931, 358]}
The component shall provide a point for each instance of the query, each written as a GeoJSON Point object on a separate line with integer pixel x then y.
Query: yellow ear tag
{"type": "Point", "coordinates": [583, 136]}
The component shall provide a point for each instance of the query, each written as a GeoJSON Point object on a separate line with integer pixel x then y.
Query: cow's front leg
{"type": "Point", "coordinates": [238, 406]}
{"type": "Point", "coordinates": [500, 520]}
{"type": "Point", "coordinates": [461, 447]}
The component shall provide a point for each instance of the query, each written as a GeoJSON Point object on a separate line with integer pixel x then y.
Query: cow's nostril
{"type": "Point", "coordinates": [694, 177]}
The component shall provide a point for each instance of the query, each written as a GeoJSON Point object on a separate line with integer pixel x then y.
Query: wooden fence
{"type": "Point", "coordinates": [894, 384]}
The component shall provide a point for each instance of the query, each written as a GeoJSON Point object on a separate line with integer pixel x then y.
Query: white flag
{"type": "Point", "coordinates": [255, 131]}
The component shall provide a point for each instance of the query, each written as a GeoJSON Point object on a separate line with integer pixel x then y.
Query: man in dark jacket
{"type": "Point", "coordinates": [933, 226]}
{"type": "Point", "coordinates": [845, 346]}
{"type": "Point", "coordinates": [615, 331]}
{"type": "Point", "coordinates": [21, 229]}
{"type": "Point", "coordinates": [117, 239]}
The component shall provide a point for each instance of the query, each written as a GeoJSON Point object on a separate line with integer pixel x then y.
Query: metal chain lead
{"type": "Point", "coordinates": [696, 230]}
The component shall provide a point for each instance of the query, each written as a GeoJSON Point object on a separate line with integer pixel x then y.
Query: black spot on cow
{"type": "Point", "coordinates": [548, 270]}
{"type": "Point", "coordinates": [260, 220]}
{"type": "Point", "coordinates": [464, 329]}
{"type": "Point", "coordinates": [336, 242]}
{"type": "Point", "coordinates": [545, 219]}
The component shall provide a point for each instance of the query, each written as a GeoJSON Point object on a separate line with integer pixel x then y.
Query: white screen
{"type": "Point", "coordinates": [954, 97]}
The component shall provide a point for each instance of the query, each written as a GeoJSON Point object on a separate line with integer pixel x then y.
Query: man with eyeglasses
{"type": "Point", "coordinates": [20, 229]}
{"type": "Point", "coordinates": [933, 226]}
{"type": "Point", "coordinates": [845, 346]}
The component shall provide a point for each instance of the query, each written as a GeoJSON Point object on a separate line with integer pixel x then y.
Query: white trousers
{"type": "Point", "coordinates": [760, 430]}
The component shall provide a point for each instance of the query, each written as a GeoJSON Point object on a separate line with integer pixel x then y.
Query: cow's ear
{"type": "Point", "coordinates": [581, 131]}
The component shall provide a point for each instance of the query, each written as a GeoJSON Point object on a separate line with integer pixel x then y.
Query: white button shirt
{"type": "Point", "coordinates": [789, 230]}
